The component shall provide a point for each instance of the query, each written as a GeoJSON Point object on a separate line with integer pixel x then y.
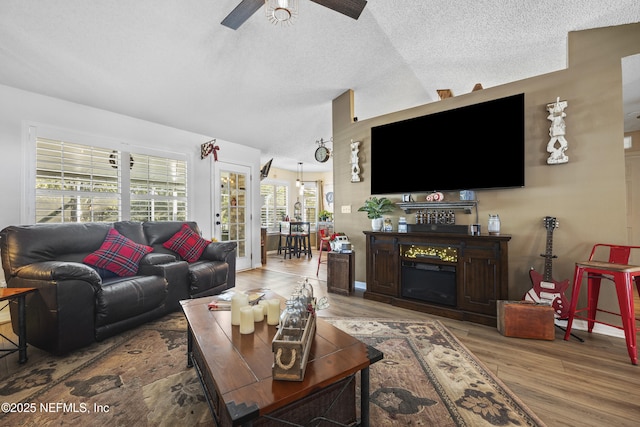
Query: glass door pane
{"type": "Point", "coordinates": [232, 217]}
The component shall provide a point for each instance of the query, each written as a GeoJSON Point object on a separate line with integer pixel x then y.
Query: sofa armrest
{"type": "Point", "coordinates": [156, 258]}
{"type": "Point", "coordinates": [60, 316]}
{"type": "Point", "coordinates": [176, 273]}
{"type": "Point", "coordinates": [223, 251]}
{"type": "Point", "coordinates": [219, 251]}
{"type": "Point", "coordinates": [58, 271]}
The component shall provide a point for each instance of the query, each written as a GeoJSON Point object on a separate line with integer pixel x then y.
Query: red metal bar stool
{"type": "Point", "coordinates": [622, 275]}
{"type": "Point", "coordinates": [324, 242]}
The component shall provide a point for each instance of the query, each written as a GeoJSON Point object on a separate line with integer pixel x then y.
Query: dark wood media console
{"type": "Point", "coordinates": [451, 275]}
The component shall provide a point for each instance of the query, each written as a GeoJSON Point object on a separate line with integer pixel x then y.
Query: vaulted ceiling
{"type": "Point", "coordinates": [271, 87]}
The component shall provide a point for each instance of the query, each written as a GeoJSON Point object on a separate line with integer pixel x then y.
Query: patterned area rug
{"type": "Point", "coordinates": [428, 378]}
{"type": "Point", "coordinates": [140, 378]}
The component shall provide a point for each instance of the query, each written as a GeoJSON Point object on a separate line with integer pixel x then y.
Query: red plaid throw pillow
{"type": "Point", "coordinates": [187, 243]}
{"type": "Point", "coordinates": [118, 254]}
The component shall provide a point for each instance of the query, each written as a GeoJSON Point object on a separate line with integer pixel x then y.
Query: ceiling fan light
{"type": "Point", "coordinates": [281, 11]}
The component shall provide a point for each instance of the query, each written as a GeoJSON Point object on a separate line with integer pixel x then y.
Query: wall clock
{"type": "Point", "coordinates": [322, 154]}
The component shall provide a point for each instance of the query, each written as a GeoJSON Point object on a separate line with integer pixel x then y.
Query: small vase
{"type": "Point", "coordinates": [376, 224]}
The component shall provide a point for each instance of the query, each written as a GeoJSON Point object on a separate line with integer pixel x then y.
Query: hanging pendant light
{"type": "Point", "coordinates": [281, 12]}
{"type": "Point", "coordinates": [300, 180]}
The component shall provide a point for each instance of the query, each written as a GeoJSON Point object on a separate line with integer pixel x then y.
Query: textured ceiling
{"type": "Point", "coordinates": [269, 87]}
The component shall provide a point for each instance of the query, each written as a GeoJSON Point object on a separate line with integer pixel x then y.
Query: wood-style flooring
{"type": "Point", "coordinates": [566, 383]}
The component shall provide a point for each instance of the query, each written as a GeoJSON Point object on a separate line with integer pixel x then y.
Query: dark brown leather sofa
{"type": "Point", "coordinates": [76, 304]}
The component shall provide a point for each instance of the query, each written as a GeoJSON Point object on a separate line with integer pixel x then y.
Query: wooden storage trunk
{"type": "Point", "coordinates": [290, 357]}
{"type": "Point", "coordinates": [523, 319]}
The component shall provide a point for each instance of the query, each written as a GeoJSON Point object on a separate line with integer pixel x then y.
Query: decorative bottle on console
{"type": "Point", "coordinates": [494, 224]}
{"type": "Point", "coordinates": [402, 225]}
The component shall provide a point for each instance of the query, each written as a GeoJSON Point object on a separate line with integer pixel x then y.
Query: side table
{"type": "Point", "coordinates": [19, 295]}
{"type": "Point", "coordinates": [341, 272]}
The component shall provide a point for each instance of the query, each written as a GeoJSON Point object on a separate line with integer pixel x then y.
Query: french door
{"type": "Point", "coordinates": [232, 210]}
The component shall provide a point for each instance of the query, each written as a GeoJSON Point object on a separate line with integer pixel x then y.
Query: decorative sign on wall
{"type": "Point", "coordinates": [355, 161]}
{"type": "Point", "coordinates": [557, 144]}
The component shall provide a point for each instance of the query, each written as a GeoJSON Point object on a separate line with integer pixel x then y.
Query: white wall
{"type": "Point", "coordinates": [19, 107]}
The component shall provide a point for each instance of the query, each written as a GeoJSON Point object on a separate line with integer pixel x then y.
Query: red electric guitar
{"type": "Point", "coordinates": [546, 290]}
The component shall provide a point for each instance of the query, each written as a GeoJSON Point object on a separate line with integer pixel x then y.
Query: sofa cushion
{"type": "Point", "coordinates": [27, 244]}
{"type": "Point", "coordinates": [118, 254]}
{"type": "Point", "coordinates": [126, 297]}
{"type": "Point", "coordinates": [131, 230]}
{"type": "Point", "coordinates": [187, 243]}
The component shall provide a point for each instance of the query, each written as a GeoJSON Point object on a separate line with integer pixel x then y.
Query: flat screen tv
{"type": "Point", "coordinates": [479, 146]}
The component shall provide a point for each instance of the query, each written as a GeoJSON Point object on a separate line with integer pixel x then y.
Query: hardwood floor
{"type": "Point", "coordinates": [566, 383]}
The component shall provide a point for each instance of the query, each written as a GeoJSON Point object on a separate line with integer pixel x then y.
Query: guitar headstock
{"type": "Point", "coordinates": [550, 222]}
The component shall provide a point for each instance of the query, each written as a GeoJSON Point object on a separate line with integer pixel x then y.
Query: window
{"type": "Point", "coordinates": [310, 204]}
{"type": "Point", "coordinates": [158, 189]}
{"type": "Point", "coordinates": [82, 183]}
{"type": "Point", "coordinates": [275, 198]}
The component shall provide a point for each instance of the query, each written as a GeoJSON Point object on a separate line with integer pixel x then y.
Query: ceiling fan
{"type": "Point", "coordinates": [246, 8]}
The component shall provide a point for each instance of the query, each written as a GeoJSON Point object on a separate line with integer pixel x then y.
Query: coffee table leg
{"type": "Point", "coordinates": [189, 347]}
{"type": "Point", "coordinates": [364, 397]}
{"type": "Point", "coordinates": [22, 330]}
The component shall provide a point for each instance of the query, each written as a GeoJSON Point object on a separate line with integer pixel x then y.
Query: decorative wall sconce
{"type": "Point", "coordinates": [557, 144]}
{"type": "Point", "coordinates": [355, 161]}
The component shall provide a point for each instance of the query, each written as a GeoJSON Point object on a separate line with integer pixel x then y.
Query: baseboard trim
{"type": "Point", "coordinates": [598, 328]}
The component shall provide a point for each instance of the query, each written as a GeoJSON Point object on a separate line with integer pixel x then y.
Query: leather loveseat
{"type": "Point", "coordinates": [96, 280]}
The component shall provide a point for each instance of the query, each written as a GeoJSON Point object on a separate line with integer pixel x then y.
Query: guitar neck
{"type": "Point", "coordinates": [548, 256]}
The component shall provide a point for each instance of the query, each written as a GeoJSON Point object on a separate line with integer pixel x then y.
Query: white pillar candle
{"type": "Point", "coordinates": [246, 320]}
{"type": "Point", "coordinates": [265, 306]}
{"type": "Point", "coordinates": [238, 301]}
{"type": "Point", "coordinates": [273, 312]}
{"type": "Point", "coordinates": [258, 313]}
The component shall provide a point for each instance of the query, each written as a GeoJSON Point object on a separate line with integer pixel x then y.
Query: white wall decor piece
{"type": "Point", "coordinates": [557, 144]}
{"type": "Point", "coordinates": [355, 166]}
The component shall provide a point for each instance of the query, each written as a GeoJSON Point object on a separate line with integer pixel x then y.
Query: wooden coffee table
{"type": "Point", "coordinates": [236, 372]}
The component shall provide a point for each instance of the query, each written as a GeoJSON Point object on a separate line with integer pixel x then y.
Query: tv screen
{"type": "Point", "coordinates": [479, 146]}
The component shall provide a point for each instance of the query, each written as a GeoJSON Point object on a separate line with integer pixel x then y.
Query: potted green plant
{"type": "Point", "coordinates": [375, 209]}
{"type": "Point", "coordinates": [325, 215]}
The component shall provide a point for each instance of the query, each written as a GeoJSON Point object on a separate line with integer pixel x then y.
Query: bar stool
{"type": "Point", "coordinates": [622, 275]}
{"type": "Point", "coordinates": [290, 246]}
{"type": "Point", "coordinates": [303, 239]}
{"type": "Point", "coordinates": [285, 231]}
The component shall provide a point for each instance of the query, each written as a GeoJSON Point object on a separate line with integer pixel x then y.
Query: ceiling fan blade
{"type": "Point", "coordinates": [241, 13]}
{"type": "Point", "coordinates": [351, 8]}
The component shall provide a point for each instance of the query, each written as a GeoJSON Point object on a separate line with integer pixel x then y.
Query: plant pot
{"type": "Point", "coordinates": [376, 224]}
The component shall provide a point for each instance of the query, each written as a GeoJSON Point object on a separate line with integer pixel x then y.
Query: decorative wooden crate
{"type": "Point", "coordinates": [290, 357]}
